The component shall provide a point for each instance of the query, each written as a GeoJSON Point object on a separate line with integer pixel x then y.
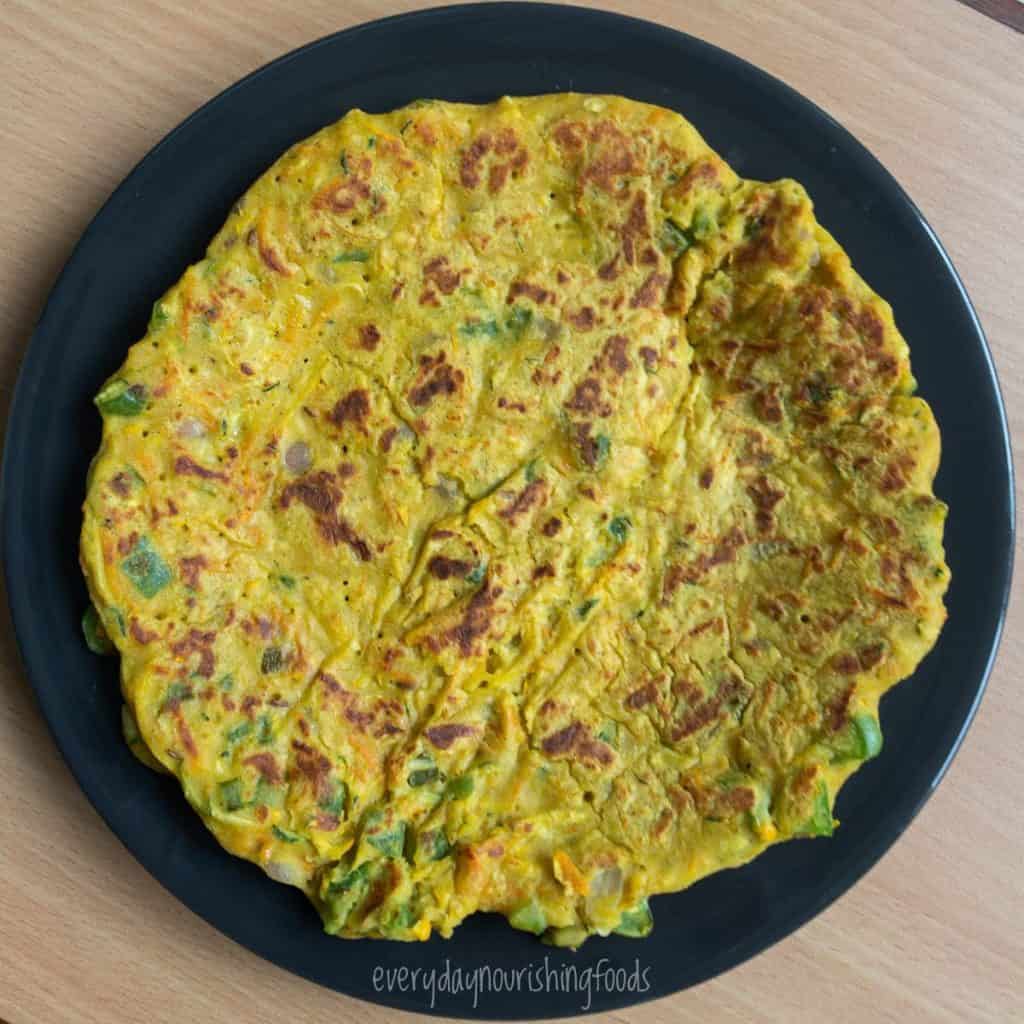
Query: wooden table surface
{"type": "Point", "coordinates": [934, 932]}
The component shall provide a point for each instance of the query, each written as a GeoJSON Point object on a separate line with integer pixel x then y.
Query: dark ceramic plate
{"type": "Point", "coordinates": [160, 219]}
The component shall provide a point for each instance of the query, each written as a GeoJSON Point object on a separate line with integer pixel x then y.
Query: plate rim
{"type": "Point", "coordinates": [774, 932]}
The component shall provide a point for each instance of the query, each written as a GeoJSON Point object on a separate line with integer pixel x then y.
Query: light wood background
{"type": "Point", "coordinates": [936, 931]}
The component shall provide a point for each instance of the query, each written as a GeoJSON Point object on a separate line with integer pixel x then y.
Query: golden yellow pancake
{"type": "Point", "coordinates": [515, 511]}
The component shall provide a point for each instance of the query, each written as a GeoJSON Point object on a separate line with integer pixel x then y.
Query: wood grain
{"type": "Point", "coordinates": [934, 932]}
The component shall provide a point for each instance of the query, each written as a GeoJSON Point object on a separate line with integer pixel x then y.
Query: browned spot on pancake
{"type": "Point", "coordinates": [765, 497]}
{"type": "Point", "coordinates": [436, 377]}
{"type": "Point", "coordinates": [184, 466]}
{"type": "Point", "coordinates": [706, 478]}
{"type": "Point", "coordinates": [763, 244]}
{"type": "Point", "coordinates": [191, 566]}
{"type": "Point", "coordinates": [613, 356]}
{"type": "Point", "coordinates": [642, 697]}
{"type": "Point", "coordinates": [610, 271]}
{"type": "Point", "coordinates": [445, 568]}
{"type": "Point", "coordinates": [530, 495]}
{"type": "Point", "coordinates": [870, 656]}
{"type": "Point", "coordinates": [266, 764]}
{"type": "Point", "coordinates": [443, 736]}
{"type": "Point", "coordinates": [804, 779]}
{"type": "Point", "coordinates": [589, 448]}
{"type": "Point", "coordinates": [650, 358]}
{"type": "Point", "coordinates": [846, 663]}
{"type": "Point", "coordinates": [246, 369]}
{"type": "Point", "coordinates": [586, 399]}
{"type": "Point", "coordinates": [475, 621]}
{"type": "Point", "coordinates": [768, 403]}
{"type": "Point", "coordinates": [313, 766]}
{"type": "Point", "coordinates": [439, 273]}
{"type": "Point", "coordinates": [185, 734]}
{"type": "Point", "coordinates": [469, 166]}
{"type": "Point", "coordinates": [583, 319]}
{"type": "Point", "coordinates": [837, 710]}
{"type": "Point", "coordinates": [341, 195]}
{"type": "Point", "coordinates": [739, 799]}
{"type": "Point", "coordinates": [249, 705]}
{"type": "Point", "coordinates": [611, 162]}
{"type": "Point", "coordinates": [724, 553]}
{"type": "Point", "coordinates": [707, 710]}
{"type": "Point", "coordinates": [199, 642]}
{"type": "Point", "coordinates": [139, 634]}
{"type": "Point", "coordinates": [577, 742]}
{"type": "Point", "coordinates": [650, 292]}
{"type": "Point", "coordinates": [551, 527]}
{"type": "Point", "coordinates": [531, 291]}
{"type": "Point", "coordinates": [544, 571]}
{"type": "Point", "coordinates": [892, 479]}
{"type": "Point", "coordinates": [352, 408]}
{"type": "Point", "coordinates": [568, 136]}
{"type": "Point", "coordinates": [320, 493]}
{"type": "Point", "coordinates": [369, 336]}
{"type": "Point", "coordinates": [387, 439]}
{"type": "Point", "coordinates": [121, 484]}
{"type": "Point", "coordinates": [635, 229]}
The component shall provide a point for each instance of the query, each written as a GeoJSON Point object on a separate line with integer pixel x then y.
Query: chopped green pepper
{"type": "Point", "coordinates": [268, 794]}
{"type": "Point", "coordinates": [529, 918]}
{"type": "Point", "coordinates": [266, 733]}
{"type": "Point", "coordinates": [285, 835]}
{"type": "Point", "coordinates": [433, 845]}
{"type": "Point", "coordinates": [675, 239]}
{"type": "Point", "coordinates": [390, 841]}
{"type": "Point", "coordinates": [421, 776]}
{"type": "Point", "coordinates": [119, 398]}
{"type": "Point", "coordinates": [477, 573]}
{"type": "Point", "coordinates": [460, 788]}
{"type": "Point", "coordinates": [609, 733]}
{"type": "Point", "coordinates": [158, 317]}
{"type": "Point", "coordinates": [637, 922]}
{"type": "Point", "coordinates": [820, 823]}
{"type": "Point", "coordinates": [518, 322]}
{"type": "Point", "coordinates": [704, 223]}
{"type": "Point", "coordinates": [146, 569]}
{"type": "Point", "coordinates": [335, 801]}
{"type": "Point", "coordinates": [585, 609]}
{"type": "Point", "coordinates": [861, 740]}
{"type": "Point", "coordinates": [479, 329]}
{"type": "Point", "coordinates": [353, 256]}
{"type": "Point", "coordinates": [619, 528]}
{"type": "Point", "coordinates": [238, 732]}
{"type": "Point", "coordinates": [96, 638]}
{"type": "Point", "coordinates": [271, 661]}
{"type": "Point", "coordinates": [604, 447]}
{"type": "Point", "coordinates": [230, 794]}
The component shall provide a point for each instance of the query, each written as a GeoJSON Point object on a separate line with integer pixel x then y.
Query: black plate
{"type": "Point", "coordinates": [160, 219]}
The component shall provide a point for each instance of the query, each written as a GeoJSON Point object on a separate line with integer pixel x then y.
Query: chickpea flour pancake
{"type": "Point", "coordinates": [515, 511]}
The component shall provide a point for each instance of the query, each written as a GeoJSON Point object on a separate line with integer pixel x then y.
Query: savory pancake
{"type": "Point", "coordinates": [514, 511]}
